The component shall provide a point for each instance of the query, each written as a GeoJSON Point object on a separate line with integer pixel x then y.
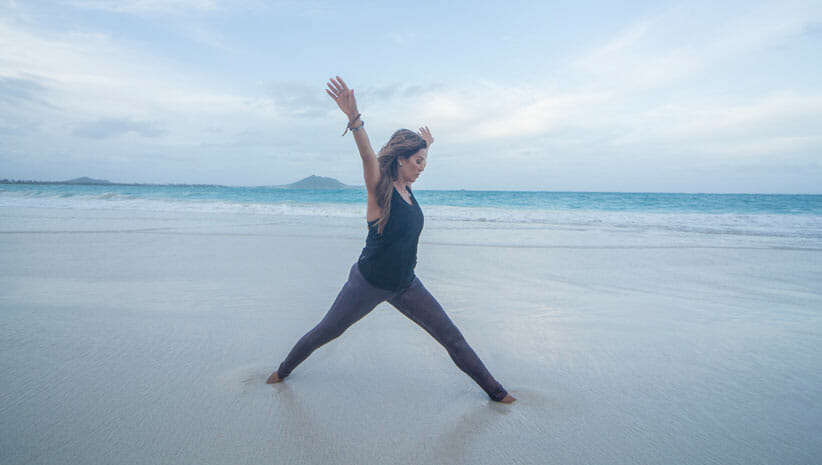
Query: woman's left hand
{"type": "Point", "coordinates": [339, 91]}
{"type": "Point", "coordinates": [426, 134]}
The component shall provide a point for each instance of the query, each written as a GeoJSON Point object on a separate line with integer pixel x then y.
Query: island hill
{"type": "Point", "coordinates": [84, 181]}
{"type": "Point", "coordinates": [312, 182]}
{"type": "Point", "coordinates": [317, 182]}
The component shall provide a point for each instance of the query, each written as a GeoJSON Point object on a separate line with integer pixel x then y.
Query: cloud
{"type": "Point", "coordinates": [773, 125]}
{"type": "Point", "coordinates": [293, 99]}
{"type": "Point", "coordinates": [300, 100]}
{"type": "Point", "coordinates": [385, 93]}
{"type": "Point", "coordinates": [110, 127]}
{"type": "Point", "coordinates": [539, 114]}
{"type": "Point", "coordinates": [680, 43]}
{"type": "Point", "coordinates": [88, 75]}
{"type": "Point", "coordinates": [19, 91]}
{"type": "Point", "coordinates": [146, 6]}
{"type": "Point", "coordinates": [627, 95]}
{"type": "Point", "coordinates": [813, 29]}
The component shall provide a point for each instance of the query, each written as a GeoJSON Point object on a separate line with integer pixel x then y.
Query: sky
{"type": "Point", "coordinates": [632, 96]}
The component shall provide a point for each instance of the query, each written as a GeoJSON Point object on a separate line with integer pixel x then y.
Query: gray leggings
{"type": "Point", "coordinates": [358, 297]}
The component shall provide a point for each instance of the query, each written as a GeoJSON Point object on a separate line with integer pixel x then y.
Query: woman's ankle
{"type": "Point", "coordinates": [274, 378]}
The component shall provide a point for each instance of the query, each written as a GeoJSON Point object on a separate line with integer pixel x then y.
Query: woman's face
{"type": "Point", "coordinates": [412, 166]}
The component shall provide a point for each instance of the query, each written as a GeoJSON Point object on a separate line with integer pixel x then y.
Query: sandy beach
{"type": "Point", "coordinates": [146, 338]}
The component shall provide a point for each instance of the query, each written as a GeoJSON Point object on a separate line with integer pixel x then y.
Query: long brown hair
{"type": "Point", "coordinates": [402, 144]}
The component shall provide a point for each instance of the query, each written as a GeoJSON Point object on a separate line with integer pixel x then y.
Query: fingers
{"type": "Point", "coordinates": [334, 87]}
{"type": "Point", "coordinates": [425, 133]}
{"type": "Point", "coordinates": [344, 86]}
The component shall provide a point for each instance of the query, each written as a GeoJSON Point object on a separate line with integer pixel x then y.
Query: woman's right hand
{"type": "Point", "coordinates": [339, 91]}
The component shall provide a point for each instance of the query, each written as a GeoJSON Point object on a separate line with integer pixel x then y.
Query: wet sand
{"type": "Point", "coordinates": [148, 338]}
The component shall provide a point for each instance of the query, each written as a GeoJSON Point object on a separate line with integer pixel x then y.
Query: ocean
{"type": "Point", "coordinates": [795, 217]}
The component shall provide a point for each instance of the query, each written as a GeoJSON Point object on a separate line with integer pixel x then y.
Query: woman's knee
{"type": "Point", "coordinates": [453, 340]}
{"type": "Point", "coordinates": [324, 333]}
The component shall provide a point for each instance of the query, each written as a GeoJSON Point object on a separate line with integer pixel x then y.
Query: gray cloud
{"type": "Point", "coordinates": [382, 93]}
{"type": "Point", "coordinates": [18, 91]}
{"type": "Point", "coordinates": [108, 127]}
{"type": "Point", "coordinates": [146, 6]}
{"type": "Point", "coordinates": [812, 29]}
{"type": "Point", "coordinates": [307, 101]}
{"type": "Point", "coordinates": [416, 90]}
{"type": "Point", "coordinates": [388, 92]}
{"type": "Point", "coordinates": [17, 125]}
{"type": "Point", "coordinates": [300, 99]}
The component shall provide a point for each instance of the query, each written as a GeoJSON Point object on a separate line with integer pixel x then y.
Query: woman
{"type": "Point", "coordinates": [385, 269]}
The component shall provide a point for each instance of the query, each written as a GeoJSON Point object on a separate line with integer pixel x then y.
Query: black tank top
{"type": "Point", "coordinates": [388, 259]}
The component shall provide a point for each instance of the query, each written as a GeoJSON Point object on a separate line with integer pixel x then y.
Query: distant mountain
{"type": "Point", "coordinates": [311, 182]}
{"type": "Point", "coordinates": [85, 180]}
{"type": "Point", "coordinates": [317, 182]}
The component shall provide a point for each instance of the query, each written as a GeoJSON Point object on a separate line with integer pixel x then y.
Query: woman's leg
{"type": "Point", "coordinates": [354, 301]}
{"type": "Point", "coordinates": [420, 306]}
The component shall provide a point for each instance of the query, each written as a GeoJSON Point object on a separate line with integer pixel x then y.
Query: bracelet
{"type": "Point", "coordinates": [348, 126]}
{"type": "Point", "coordinates": [362, 123]}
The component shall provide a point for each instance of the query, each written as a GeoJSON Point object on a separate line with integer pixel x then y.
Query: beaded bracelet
{"type": "Point", "coordinates": [348, 126]}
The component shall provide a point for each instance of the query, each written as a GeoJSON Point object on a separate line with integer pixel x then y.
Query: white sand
{"type": "Point", "coordinates": [146, 338]}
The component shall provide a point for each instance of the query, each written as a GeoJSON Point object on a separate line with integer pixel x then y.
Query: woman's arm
{"type": "Point", "coordinates": [339, 91]}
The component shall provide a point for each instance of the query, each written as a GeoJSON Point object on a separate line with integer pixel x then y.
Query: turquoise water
{"type": "Point", "coordinates": [526, 200]}
{"type": "Point", "coordinates": [747, 214]}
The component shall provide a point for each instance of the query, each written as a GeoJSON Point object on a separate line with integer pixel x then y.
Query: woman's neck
{"type": "Point", "coordinates": [401, 186]}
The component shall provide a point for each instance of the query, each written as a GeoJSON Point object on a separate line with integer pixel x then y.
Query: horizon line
{"type": "Point", "coordinates": [103, 183]}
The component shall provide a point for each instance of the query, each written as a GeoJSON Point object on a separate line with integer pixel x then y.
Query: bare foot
{"type": "Point", "coordinates": [508, 399]}
{"type": "Point", "coordinates": [274, 378]}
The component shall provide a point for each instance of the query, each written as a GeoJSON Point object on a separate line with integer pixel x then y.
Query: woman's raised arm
{"type": "Point", "coordinates": [339, 91]}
